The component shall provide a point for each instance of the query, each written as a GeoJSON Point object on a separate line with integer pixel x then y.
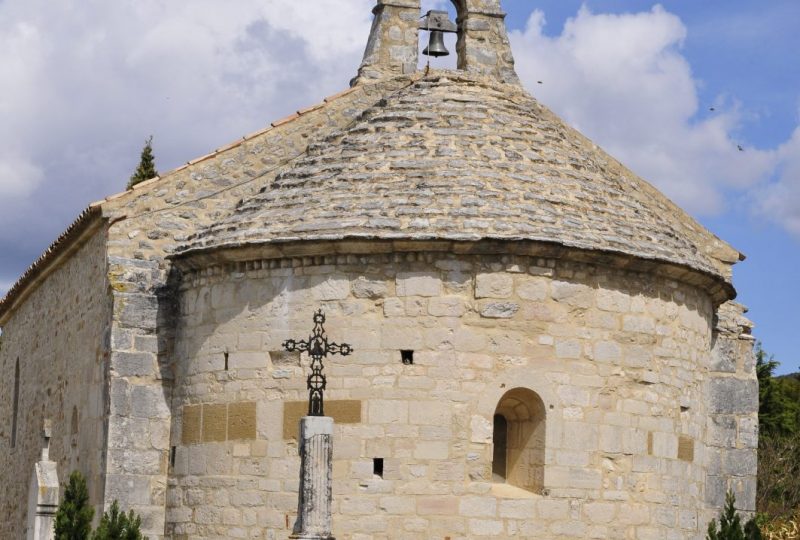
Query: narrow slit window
{"type": "Point", "coordinates": [172, 452]}
{"type": "Point", "coordinates": [15, 406]}
{"type": "Point", "coordinates": [377, 467]}
{"type": "Point", "coordinates": [226, 360]}
{"type": "Point", "coordinates": [407, 357]}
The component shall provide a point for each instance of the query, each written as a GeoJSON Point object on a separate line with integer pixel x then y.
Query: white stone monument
{"type": "Point", "coordinates": [316, 439]}
{"type": "Point", "coordinates": [43, 494]}
{"type": "Point", "coordinates": [316, 474]}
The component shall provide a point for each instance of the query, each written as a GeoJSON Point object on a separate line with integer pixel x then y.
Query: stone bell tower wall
{"type": "Point", "coordinates": [483, 47]}
{"type": "Point", "coordinates": [60, 339]}
{"type": "Point", "coordinates": [618, 360]}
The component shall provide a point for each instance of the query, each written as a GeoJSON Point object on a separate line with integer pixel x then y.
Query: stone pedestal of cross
{"type": "Point", "coordinates": [43, 493]}
{"type": "Point", "coordinates": [316, 440]}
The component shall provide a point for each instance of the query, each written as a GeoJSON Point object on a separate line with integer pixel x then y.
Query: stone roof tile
{"type": "Point", "coordinates": [453, 157]}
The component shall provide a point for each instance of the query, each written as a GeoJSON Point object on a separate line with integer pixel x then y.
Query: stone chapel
{"type": "Point", "coordinates": [545, 346]}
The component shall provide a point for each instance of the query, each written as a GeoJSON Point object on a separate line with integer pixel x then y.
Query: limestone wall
{"type": "Point", "coordinates": [619, 360]}
{"type": "Point", "coordinates": [61, 337]}
{"type": "Point", "coordinates": [148, 224]}
{"type": "Point", "coordinates": [732, 456]}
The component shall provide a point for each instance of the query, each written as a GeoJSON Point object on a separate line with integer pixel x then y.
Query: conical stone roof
{"type": "Point", "coordinates": [454, 156]}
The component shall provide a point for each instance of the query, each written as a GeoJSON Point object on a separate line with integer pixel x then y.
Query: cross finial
{"type": "Point", "coordinates": [47, 433]}
{"type": "Point", "coordinates": [318, 347]}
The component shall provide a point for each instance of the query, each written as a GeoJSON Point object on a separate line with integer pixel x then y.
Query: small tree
{"type": "Point", "coordinates": [116, 525]}
{"type": "Point", "coordinates": [74, 515]}
{"type": "Point", "coordinates": [730, 524]}
{"type": "Point", "coordinates": [147, 165]}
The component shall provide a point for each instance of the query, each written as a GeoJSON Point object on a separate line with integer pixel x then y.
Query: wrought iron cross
{"type": "Point", "coordinates": [318, 347]}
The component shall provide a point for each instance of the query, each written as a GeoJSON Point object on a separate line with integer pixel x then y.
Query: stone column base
{"type": "Point", "coordinates": [316, 472]}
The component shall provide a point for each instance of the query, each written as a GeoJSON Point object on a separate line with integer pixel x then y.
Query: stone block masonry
{"type": "Point", "coordinates": [148, 224]}
{"type": "Point", "coordinates": [61, 339]}
{"type": "Point", "coordinates": [342, 412]}
{"type": "Point", "coordinates": [620, 360]}
{"type": "Point", "coordinates": [149, 332]}
{"type": "Point", "coordinates": [218, 422]}
{"type": "Point", "coordinates": [94, 337]}
{"type": "Point", "coordinates": [732, 425]}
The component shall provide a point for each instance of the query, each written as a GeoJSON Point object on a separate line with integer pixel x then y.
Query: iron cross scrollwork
{"type": "Point", "coordinates": [318, 347]}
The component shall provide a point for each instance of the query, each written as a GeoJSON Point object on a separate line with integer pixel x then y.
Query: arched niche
{"type": "Point", "coordinates": [520, 429]}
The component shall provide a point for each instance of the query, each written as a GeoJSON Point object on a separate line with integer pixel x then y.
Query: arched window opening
{"type": "Point", "coordinates": [15, 406]}
{"type": "Point", "coordinates": [519, 426]}
{"type": "Point", "coordinates": [450, 40]}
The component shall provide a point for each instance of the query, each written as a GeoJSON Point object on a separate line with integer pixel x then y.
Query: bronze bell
{"type": "Point", "coordinates": [436, 46]}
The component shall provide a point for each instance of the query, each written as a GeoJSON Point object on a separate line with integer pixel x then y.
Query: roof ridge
{"type": "Point", "coordinates": [94, 209]}
{"type": "Point", "coordinates": [234, 144]}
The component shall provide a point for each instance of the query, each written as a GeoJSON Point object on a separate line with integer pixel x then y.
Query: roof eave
{"type": "Point", "coordinates": [718, 287]}
{"type": "Point", "coordinates": [87, 223]}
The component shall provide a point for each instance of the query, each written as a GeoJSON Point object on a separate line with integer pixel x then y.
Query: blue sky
{"type": "Point", "coordinates": [86, 81]}
{"type": "Point", "coordinates": [746, 51]}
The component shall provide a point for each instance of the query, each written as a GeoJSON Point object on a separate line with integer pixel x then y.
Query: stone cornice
{"type": "Point", "coordinates": [718, 289]}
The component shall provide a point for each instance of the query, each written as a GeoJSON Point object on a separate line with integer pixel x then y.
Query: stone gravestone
{"type": "Point", "coordinates": [316, 440]}
{"type": "Point", "coordinates": [43, 494]}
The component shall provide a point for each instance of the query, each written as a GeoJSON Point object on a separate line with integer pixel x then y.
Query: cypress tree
{"type": "Point", "coordinates": [74, 515]}
{"type": "Point", "coordinates": [730, 524]}
{"type": "Point", "coordinates": [147, 165]}
{"type": "Point", "coordinates": [116, 525]}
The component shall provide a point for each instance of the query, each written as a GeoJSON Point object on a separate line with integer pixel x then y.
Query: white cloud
{"type": "Point", "coordinates": [86, 81]}
{"type": "Point", "coordinates": [622, 81]}
{"type": "Point", "coordinates": [18, 177]}
{"type": "Point", "coordinates": [780, 200]}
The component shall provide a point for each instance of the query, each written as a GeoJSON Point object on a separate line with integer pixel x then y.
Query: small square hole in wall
{"type": "Point", "coordinates": [407, 357]}
{"type": "Point", "coordinates": [377, 466]}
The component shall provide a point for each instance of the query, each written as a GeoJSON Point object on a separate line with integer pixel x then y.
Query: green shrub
{"type": "Point", "coordinates": [730, 524]}
{"type": "Point", "coordinates": [116, 525]}
{"type": "Point", "coordinates": [74, 515]}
